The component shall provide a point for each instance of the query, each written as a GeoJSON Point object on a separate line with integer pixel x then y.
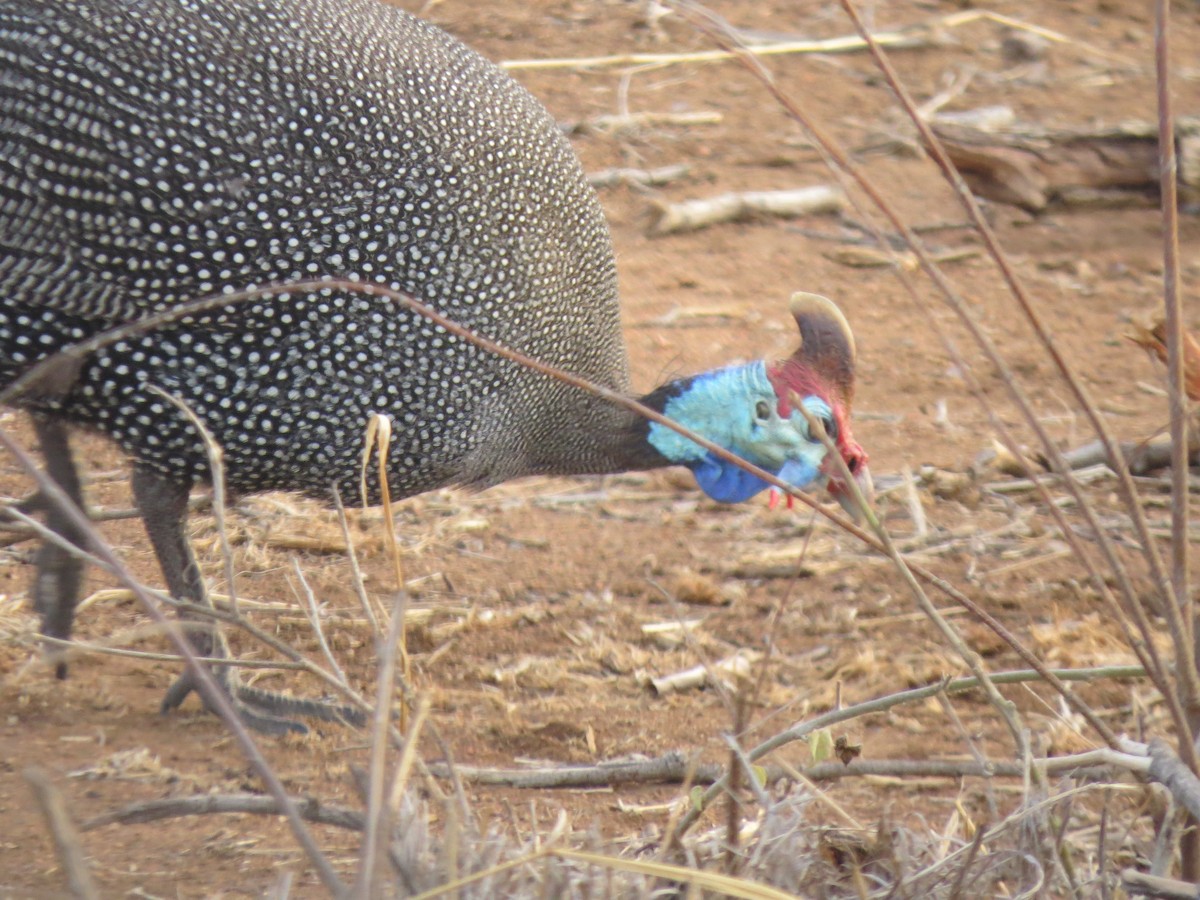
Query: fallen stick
{"type": "Point", "coordinates": [1141, 457]}
{"type": "Point", "coordinates": [915, 37]}
{"type": "Point", "coordinates": [618, 124]}
{"type": "Point", "coordinates": [670, 768]}
{"type": "Point", "coordinates": [1142, 884]}
{"type": "Point", "coordinates": [310, 809]}
{"type": "Point", "coordinates": [727, 671]}
{"type": "Point", "coordinates": [692, 215]}
{"type": "Point", "coordinates": [1033, 167]}
{"type": "Point", "coordinates": [1088, 462]}
{"type": "Point", "coordinates": [638, 177]}
{"type": "Point", "coordinates": [674, 768]}
{"type": "Point", "coordinates": [920, 36]}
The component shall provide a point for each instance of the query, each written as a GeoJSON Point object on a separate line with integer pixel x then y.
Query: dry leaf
{"type": "Point", "coordinates": [1148, 331]}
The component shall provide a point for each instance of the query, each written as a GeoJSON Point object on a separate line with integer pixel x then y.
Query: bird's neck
{"type": "Point", "coordinates": [622, 440]}
{"type": "Point", "coordinates": [705, 403]}
{"type": "Point", "coordinates": [617, 439]}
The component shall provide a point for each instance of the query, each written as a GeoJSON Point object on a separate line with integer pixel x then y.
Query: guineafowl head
{"type": "Point", "coordinates": [754, 412]}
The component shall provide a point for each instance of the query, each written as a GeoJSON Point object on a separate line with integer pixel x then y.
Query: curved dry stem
{"type": "Point", "coordinates": [405, 301]}
{"type": "Point", "coordinates": [841, 163]}
{"type": "Point", "coordinates": [213, 694]}
{"type": "Point", "coordinates": [1185, 671]}
{"type": "Point", "coordinates": [387, 653]}
{"type": "Point", "coordinates": [314, 621]}
{"type": "Point", "coordinates": [81, 648]}
{"type": "Point", "coordinates": [973, 660]}
{"type": "Point", "coordinates": [914, 695]}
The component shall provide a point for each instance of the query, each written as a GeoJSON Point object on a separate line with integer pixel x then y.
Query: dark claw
{"type": "Point", "coordinates": [163, 504]}
{"type": "Point", "coordinates": [177, 692]}
{"type": "Point", "coordinates": [282, 705]}
{"type": "Point", "coordinates": [264, 711]}
{"type": "Point", "coordinates": [262, 722]}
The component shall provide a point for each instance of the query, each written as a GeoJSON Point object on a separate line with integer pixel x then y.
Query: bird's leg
{"type": "Point", "coordinates": [56, 584]}
{"type": "Point", "coordinates": [163, 504]}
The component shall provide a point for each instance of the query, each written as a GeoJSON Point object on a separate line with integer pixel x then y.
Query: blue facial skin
{"type": "Point", "coordinates": [725, 406]}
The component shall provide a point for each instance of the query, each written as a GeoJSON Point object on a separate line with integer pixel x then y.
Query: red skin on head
{"type": "Point", "coordinates": [795, 376]}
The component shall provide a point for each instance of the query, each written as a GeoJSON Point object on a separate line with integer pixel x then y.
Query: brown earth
{"type": "Point", "coordinates": [539, 592]}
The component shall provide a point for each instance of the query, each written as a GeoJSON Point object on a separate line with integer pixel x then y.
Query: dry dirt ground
{"type": "Point", "coordinates": [539, 594]}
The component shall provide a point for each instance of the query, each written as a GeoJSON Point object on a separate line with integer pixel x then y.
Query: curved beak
{"type": "Point", "coordinates": [845, 496]}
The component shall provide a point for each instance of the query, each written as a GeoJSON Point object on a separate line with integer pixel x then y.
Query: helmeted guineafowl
{"type": "Point", "coordinates": [155, 151]}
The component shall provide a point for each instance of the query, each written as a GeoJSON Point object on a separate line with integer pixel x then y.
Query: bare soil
{"type": "Point", "coordinates": [540, 592]}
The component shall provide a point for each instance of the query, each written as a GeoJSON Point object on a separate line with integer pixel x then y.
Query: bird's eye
{"type": "Point", "coordinates": [829, 423]}
{"type": "Point", "coordinates": [763, 410]}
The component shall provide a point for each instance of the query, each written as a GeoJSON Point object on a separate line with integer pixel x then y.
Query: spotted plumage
{"type": "Point", "coordinates": [157, 151]}
{"type": "Point", "coordinates": [154, 152]}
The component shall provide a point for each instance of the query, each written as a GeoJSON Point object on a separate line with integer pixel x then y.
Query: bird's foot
{"type": "Point", "coordinates": [267, 712]}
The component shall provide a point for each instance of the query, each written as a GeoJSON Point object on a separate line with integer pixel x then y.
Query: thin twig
{"type": "Point", "coordinates": [836, 154]}
{"type": "Point", "coordinates": [216, 466]}
{"type": "Point", "coordinates": [1173, 325]}
{"type": "Point", "coordinates": [373, 840]}
{"type": "Point", "coordinates": [1188, 676]}
{"type": "Point", "coordinates": [71, 855]}
{"type": "Point", "coordinates": [213, 695]}
{"type": "Point", "coordinates": [973, 851]}
{"type": "Point", "coordinates": [915, 37]}
{"type": "Point", "coordinates": [311, 809]}
{"type": "Point", "coordinates": [11, 533]}
{"type": "Point", "coordinates": [972, 746]}
{"type": "Point", "coordinates": [75, 647]}
{"type": "Point", "coordinates": [881, 704]}
{"type": "Point", "coordinates": [1102, 851]}
{"type": "Point", "coordinates": [50, 536]}
{"type": "Point", "coordinates": [360, 587]}
{"type": "Point", "coordinates": [408, 757]}
{"type": "Point", "coordinates": [1181, 619]}
{"type": "Point", "coordinates": [972, 659]}
{"type": "Point", "coordinates": [314, 620]}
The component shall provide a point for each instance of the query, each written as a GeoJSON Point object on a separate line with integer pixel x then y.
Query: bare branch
{"type": "Point", "coordinates": [71, 855]}
{"type": "Point", "coordinates": [309, 808]}
{"type": "Point", "coordinates": [1167, 769]}
{"type": "Point", "coordinates": [1142, 884]}
{"type": "Point", "coordinates": [213, 695]}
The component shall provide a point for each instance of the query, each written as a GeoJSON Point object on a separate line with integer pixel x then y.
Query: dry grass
{"type": "Point", "coordinates": [1042, 794]}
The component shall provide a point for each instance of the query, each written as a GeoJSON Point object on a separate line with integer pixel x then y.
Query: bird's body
{"type": "Point", "coordinates": [337, 138]}
{"type": "Point", "coordinates": [157, 151]}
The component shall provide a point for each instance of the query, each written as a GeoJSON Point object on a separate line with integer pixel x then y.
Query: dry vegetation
{"type": "Point", "coordinates": [990, 688]}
